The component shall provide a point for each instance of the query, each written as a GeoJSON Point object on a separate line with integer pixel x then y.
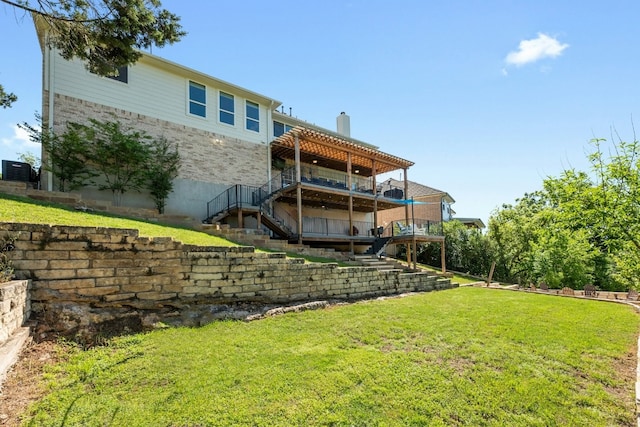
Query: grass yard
{"type": "Point", "coordinates": [468, 356]}
{"type": "Point", "coordinates": [24, 210]}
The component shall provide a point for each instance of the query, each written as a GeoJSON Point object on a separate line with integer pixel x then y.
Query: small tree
{"type": "Point", "coordinates": [119, 154]}
{"type": "Point", "coordinates": [30, 158]}
{"type": "Point", "coordinates": [162, 168]}
{"type": "Point", "coordinates": [66, 154]}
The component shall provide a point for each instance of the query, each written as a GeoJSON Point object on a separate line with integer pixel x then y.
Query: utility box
{"type": "Point", "coordinates": [16, 171]}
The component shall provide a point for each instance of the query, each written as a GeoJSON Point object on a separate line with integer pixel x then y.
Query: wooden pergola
{"type": "Point", "coordinates": [335, 152]}
{"type": "Point", "coordinates": [304, 145]}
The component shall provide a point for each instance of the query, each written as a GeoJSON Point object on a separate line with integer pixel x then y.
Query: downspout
{"type": "Point", "coordinates": [269, 128]}
{"type": "Point", "coordinates": [269, 133]}
{"type": "Point", "coordinates": [50, 76]}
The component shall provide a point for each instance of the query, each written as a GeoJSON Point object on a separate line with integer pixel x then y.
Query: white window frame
{"type": "Point", "coordinates": [189, 100]}
{"type": "Point", "coordinates": [221, 110]}
{"type": "Point", "coordinates": [248, 119]}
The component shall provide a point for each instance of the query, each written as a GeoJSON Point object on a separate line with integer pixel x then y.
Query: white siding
{"type": "Point", "coordinates": [155, 93]}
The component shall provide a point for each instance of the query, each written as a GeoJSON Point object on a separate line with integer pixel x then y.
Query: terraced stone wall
{"type": "Point", "coordinates": [98, 280]}
{"type": "Point", "coordinates": [14, 307]}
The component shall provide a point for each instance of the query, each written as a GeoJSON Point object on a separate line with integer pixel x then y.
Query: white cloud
{"type": "Point", "coordinates": [15, 143]}
{"type": "Point", "coordinates": [536, 49]}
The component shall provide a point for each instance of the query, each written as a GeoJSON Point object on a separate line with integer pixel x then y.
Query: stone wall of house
{"type": "Point", "coordinates": [210, 161]}
{"type": "Point", "coordinates": [206, 156]}
{"type": "Point", "coordinates": [14, 307]}
{"type": "Point", "coordinates": [93, 280]}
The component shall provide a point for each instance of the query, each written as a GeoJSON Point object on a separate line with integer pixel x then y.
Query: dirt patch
{"type": "Point", "coordinates": [23, 384]}
{"type": "Point", "coordinates": [626, 368]}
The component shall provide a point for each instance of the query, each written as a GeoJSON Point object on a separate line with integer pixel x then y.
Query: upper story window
{"type": "Point", "coordinates": [446, 211]}
{"type": "Point", "coordinates": [280, 128]}
{"type": "Point", "coordinates": [197, 99]}
{"type": "Point", "coordinates": [122, 75]}
{"type": "Point", "coordinates": [253, 116]}
{"type": "Point", "coordinates": [227, 108]}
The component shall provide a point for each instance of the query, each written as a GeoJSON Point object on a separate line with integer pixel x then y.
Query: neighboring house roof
{"type": "Point", "coordinates": [471, 222]}
{"type": "Point", "coordinates": [417, 190]}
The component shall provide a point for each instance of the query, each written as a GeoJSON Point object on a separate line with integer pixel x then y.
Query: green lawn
{"type": "Point", "coordinates": [24, 210]}
{"type": "Point", "coordinates": [469, 356]}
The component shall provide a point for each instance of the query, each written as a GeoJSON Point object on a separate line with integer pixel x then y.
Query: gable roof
{"type": "Point", "coordinates": [42, 29]}
{"type": "Point", "coordinates": [471, 222]}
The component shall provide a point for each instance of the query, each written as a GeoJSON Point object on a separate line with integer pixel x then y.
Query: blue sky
{"type": "Point", "coordinates": [486, 97]}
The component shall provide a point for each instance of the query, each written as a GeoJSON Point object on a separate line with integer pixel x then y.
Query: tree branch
{"type": "Point", "coordinates": [51, 15]}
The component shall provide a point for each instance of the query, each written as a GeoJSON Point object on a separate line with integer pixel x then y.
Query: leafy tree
{"type": "Point", "coordinates": [616, 203]}
{"type": "Point", "coordinates": [6, 99]}
{"type": "Point", "coordinates": [512, 233]}
{"type": "Point", "coordinates": [466, 250]}
{"type": "Point", "coordinates": [66, 154]}
{"type": "Point", "coordinates": [562, 257]}
{"type": "Point", "coordinates": [30, 158]}
{"type": "Point", "coordinates": [106, 34]}
{"type": "Point", "coordinates": [119, 155]}
{"type": "Point", "coordinates": [576, 198]}
{"type": "Point", "coordinates": [542, 238]}
{"type": "Point", "coordinates": [162, 168]}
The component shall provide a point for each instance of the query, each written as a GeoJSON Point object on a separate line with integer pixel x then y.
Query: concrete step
{"type": "Point", "coordinates": [10, 351]}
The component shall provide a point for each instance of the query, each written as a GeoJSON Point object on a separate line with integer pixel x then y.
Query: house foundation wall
{"type": "Point", "coordinates": [89, 281]}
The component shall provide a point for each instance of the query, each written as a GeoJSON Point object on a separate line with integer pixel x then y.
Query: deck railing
{"type": "Point", "coordinates": [238, 196]}
{"type": "Point", "coordinates": [335, 227]}
{"type": "Point", "coordinates": [417, 227]}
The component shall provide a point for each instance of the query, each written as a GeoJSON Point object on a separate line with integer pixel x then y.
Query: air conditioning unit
{"type": "Point", "coordinates": [16, 171]}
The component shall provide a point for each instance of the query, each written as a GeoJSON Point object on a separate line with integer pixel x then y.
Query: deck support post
{"type": "Point", "coordinates": [406, 197]}
{"type": "Point", "coordinates": [349, 186]}
{"type": "Point", "coordinates": [375, 193]}
{"type": "Point", "coordinates": [298, 187]}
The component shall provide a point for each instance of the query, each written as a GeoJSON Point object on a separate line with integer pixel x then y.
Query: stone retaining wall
{"type": "Point", "coordinates": [98, 279]}
{"type": "Point", "coordinates": [14, 307]}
